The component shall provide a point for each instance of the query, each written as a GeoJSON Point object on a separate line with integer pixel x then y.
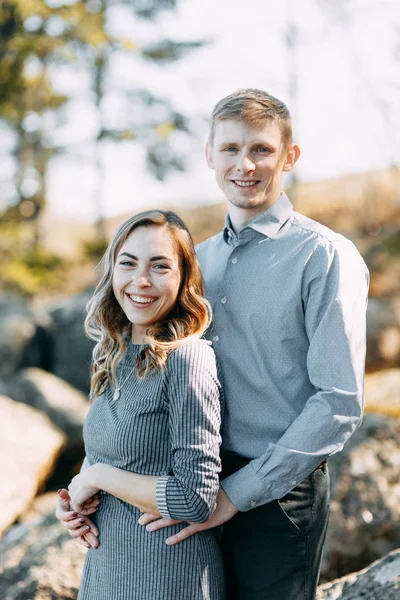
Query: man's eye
{"type": "Point", "coordinates": [230, 149]}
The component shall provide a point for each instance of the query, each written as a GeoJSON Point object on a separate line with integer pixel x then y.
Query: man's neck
{"type": "Point", "coordinates": [241, 217]}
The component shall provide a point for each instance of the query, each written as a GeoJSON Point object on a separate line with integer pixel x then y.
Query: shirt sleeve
{"type": "Point", "coordinates": [334, 302]}
{"type": "Point", "coordinates": [194, 404]}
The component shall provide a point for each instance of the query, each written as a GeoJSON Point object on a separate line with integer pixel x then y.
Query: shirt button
{"type": "Point", "coordinates": [223, 300]}
{"type": "Point", "coordinates": [252, 503]}
{"type": "Point", "coordinates": [234, 260]}
{"type": "Point", "coordinates": [215, 338]}
{"type": "Point", "coordinates": [293, 482]}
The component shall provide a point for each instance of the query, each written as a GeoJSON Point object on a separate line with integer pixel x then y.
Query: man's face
{"type": "Point", "coordinates": [249, 162]}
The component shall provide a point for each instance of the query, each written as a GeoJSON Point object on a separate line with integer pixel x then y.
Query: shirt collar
{"type": "Point", "coordinates": [269, 222]}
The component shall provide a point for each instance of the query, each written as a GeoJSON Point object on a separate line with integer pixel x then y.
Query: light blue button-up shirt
{"type": "Point", "coordinates": [289, 298]}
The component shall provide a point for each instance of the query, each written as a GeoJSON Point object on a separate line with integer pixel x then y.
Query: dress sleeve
{"type": "Point", "coordinates": [194, 404]}
{"type": "Point", "coordinates": [334, 300]}
{"type": "Point", "coordinates": [85, 464]}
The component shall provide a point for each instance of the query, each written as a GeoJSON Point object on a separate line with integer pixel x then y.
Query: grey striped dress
{"type": "Point", "coordinates": [167, 424]}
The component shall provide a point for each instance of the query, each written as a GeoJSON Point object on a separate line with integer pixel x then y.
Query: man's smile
{"type": "Point", "coordinates": [245, 183]}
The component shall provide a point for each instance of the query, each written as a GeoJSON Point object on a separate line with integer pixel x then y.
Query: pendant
{"type": "Point", "coordinates": [116, 394]}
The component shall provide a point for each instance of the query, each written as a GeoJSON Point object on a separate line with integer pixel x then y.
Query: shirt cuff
{"type": "Point", "coordinates": [161, 496]}
{"type": "Point", "coordinates": [245, 490]}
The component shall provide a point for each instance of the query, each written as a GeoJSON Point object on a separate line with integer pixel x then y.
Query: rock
{"type": "Point", "coordinates": [40, 561]}
{"type": "Point", "coordinates": [382, 392]}
{"type": "Point", "coordinates": [365, 498]}
{"type": "Point", "coordinates": [379, 581]}
{"type": "Point", "coordinates": [64, 405]}
{"type": "Point", "coordinates": [383, 333]}
{"type": "Point", "coordinates": [41, 506]}
{"type": "Point", "coordinates": [29, 447]}
{"type": "Point", "coordinates": [72, 349]}
{"type": "Point", "coordinates": [24, 337]}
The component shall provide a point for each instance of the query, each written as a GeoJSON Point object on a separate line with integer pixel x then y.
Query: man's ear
{"type": "Point", "coordinates": [291, 157]}
{"type": "Point", "coordinates": [209, 157]}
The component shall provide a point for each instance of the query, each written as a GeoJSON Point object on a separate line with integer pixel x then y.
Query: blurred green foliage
{"type": "Point", "coordinates": [93, 249]}
{"type": "Point", "coordinates": [31, 272]}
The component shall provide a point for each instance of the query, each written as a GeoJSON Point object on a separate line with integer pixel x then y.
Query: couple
{"type": "Point", "coordinates": [288, 299]}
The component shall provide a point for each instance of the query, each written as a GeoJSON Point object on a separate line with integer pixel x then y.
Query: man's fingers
{"type": "Point", "coordinates": [147, 518]}
{"type": "Point", "coordinates": [183, 534]}
{"type": "Point", "coordinates": [161, 524]}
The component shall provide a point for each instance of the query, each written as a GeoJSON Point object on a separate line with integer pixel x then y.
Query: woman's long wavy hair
{"type": "Point", "coordinates": [107, 324]}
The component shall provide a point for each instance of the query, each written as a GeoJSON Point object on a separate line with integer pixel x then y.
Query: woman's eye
{"type": "Point", "coordinates": [160, 267]}
{"type": "Point", "coordinates": [127, 263]}
{"type": "Point", "coordinates": [230, 149]}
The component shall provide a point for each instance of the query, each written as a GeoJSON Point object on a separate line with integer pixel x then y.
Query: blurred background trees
{"type": "Point", "coordinates": [42, 42]}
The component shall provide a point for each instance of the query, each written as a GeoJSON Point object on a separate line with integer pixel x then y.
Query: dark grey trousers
{"type": "Point", "coordinates": [273, 552]}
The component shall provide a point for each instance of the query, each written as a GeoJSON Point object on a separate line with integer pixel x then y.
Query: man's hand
{"type": "Point", "coordinates": [78, 525]}
{"type": "Point", "coordinates": [224, 511]}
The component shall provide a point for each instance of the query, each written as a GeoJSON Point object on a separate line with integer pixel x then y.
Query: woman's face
{"type": "Point", "coordinates": [146, 278]}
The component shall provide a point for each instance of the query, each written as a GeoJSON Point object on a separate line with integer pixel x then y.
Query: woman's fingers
{"type": "Point", "coordinates": [79, 526]}
{"type": "Point", "coordinates": [91, 539]}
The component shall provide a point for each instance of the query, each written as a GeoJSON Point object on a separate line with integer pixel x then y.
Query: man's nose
{"type": "Point", "coordinates": [245, 163]}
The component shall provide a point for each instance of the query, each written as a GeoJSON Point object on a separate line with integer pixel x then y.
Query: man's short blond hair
{"type": "Point", "coordinates": [253, 107]}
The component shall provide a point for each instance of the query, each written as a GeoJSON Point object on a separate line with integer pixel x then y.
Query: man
{"type": "Point", "coordinates": [289, 302]}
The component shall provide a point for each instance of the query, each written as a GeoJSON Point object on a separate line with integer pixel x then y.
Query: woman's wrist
{"type": "Point", "coordinates": [96, 474]}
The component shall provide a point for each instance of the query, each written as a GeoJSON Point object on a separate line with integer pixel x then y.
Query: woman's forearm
{"type": "Point", "coordinates": [138, 490]}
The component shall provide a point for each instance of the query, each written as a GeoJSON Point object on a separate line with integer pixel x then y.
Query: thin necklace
{"type": "Point", "coordinates": [117, 391]}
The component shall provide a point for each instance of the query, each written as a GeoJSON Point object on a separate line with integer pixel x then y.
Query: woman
{"type": "Point", "coordinates": [152, 433]}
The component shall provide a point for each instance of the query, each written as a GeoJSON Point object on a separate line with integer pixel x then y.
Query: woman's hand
{"type": "Point", "coordinates": [82, 489]}
{"type": "Point", "coordinates": [79, 526]}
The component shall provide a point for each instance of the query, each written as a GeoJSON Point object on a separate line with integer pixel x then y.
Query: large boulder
{"type": "Point", "coordinates": [379, 581]}
{"type": "Point", "coordinates": [365, 491]}
{"type": "Point", "coordinates": [72, 349]}
{"type": "Point", "coordinates": [383, 332]}
{"type": "Point", "coordinates": [29, 447]}
{"type": "Point", "coordinates": [25, 338]}
{"type": "Point", "coordinates": [40, 561]}
{"type": "Point", "coordinates": [382, 392]}
{"type": "Point", "coordinates": [64, 405]}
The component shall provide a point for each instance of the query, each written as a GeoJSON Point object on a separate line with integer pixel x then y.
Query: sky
{"type": "Point", "coordinates": [343, 69]}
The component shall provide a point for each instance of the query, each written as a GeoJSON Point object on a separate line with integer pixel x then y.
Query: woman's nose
{"type": "Point", "coordinates": [141, 280]}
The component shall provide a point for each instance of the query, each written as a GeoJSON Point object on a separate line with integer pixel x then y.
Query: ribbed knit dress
{"type": "Point", "coordinates": [167, 424]}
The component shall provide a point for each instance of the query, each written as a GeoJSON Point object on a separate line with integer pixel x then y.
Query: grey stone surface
{"type": "Point", "coordinates": [25, 338]}
{"type": "Point", "coordinates": [63, 404]}
{"type": "Point", "coordinates": [29, 448]}
{"type": "Point", "coordinates": [365, 502]}
{"type": "Point", "coordinates": [40, 561]}
{"type": "Point", "coordinates": [379, 581]}
{"type": "Point", "coordinates": [72, 349]}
